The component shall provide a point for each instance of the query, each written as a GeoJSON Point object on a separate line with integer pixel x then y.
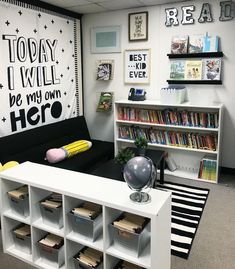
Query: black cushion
{"type": "Point", "coordinates": [23, 141]}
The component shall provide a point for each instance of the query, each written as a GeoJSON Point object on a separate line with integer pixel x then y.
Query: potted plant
{"type": "Point", "coordinates": [124, 156]}
{"type": "Point", "coordinates": [141, 143]}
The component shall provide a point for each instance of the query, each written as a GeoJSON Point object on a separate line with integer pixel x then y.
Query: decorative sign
{"type": "Point", "coordinates": [137, 66]}
{"type": "Point", "coordinates": [227, 13]}
{"type": "Point", "coordinates": [37, 82]}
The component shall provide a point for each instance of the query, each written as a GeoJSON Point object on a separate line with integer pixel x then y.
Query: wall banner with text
{"type": "Point", "coordinates": [38, 82]}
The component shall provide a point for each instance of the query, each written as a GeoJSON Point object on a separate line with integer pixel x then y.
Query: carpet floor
{"type": "Point", "coordinates": [187, 207]}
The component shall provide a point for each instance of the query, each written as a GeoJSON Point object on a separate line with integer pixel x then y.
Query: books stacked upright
{"type": "Point", "coordinates": [19, 193]}
{"type": "Point", "coordinates": [53, 201]}
{"type": "Point", "coordinates": [130, 222]}
{"type": "Point", "coordinates": [87, 210]}
{"type": "Point", "coordinates": [127, 265]}
{"type": "Point", "coordinates": [207, 169]}
{"type": "Point", "coordinates": [205, 69]}
{"type": "Point", "coordinates": [207, 141]}
{"type": "Point", "coordinates": [170, 116]}
{"type": "Point", "coordinates": [89, 258]}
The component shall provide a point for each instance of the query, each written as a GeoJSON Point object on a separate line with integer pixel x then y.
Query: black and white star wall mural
{"type": "Point", "coordinates": [39, 78]}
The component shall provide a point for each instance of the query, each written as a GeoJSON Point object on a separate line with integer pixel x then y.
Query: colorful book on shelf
{"type": "Point", "coordinates": [177, 70]}
{"type": "Point", "coordinates": [196, 43]}
{"type": "Point", "coordinates": [212, 69]}
{"type": "Point", "coordinates": [207, 168]}
{"type": "Point", "coordinates": [211, 44]}
{"type": "Point", "coordinates": [105, 102]}
{"type": "Point", "coordinates": [179, 44]}
{"type": "Point", "coordinates": [193, 70]}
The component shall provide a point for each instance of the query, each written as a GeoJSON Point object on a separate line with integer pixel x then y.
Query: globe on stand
{"type": "Point", "coordinates": [139, 173]}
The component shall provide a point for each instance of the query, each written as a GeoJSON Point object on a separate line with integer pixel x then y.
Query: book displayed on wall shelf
{"type": "Point", "coordinates": [211, 44]}
{"type": "Point", "coordinates": [173, 117]}
{"type": "Point", "coordinates": [190, 140]}
{"type": "Point", "coordinates": [177, 70]}
{"type": "Point", "coordinates": [207, 168]}
{"type": "Point", "coordinates": [179, 44]}
{"type": "Point", "coordinates": [105, 102]}
{"type": "Point", "coordinates": [193, 70]}
{"type": "Point", "coordinates": [212, 69]}
{"type": "Point", "coordinates": [196, 43]}
{"type": "Point", "coordinates": [105, 70]}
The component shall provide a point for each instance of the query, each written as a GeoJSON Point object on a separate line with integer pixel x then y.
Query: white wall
{"type": "Point", "coordinates": [101, 124]}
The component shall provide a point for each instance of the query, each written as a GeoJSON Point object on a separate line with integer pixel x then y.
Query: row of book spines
{"type": "Point", "coordinates": [171, 117]}
{"type": "Point", "coordinates": [176, 139]}
{"type": "Point", "coordinates": [207, 169]}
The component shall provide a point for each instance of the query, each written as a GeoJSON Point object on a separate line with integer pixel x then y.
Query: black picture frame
{"type": "Point", "coordinates": [138, 26]}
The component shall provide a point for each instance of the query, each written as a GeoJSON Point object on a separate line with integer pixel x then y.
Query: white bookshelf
{"type": "Point", "coordinates": [186, 158]}
{"type": "Point", "coordinates": [76, 187]}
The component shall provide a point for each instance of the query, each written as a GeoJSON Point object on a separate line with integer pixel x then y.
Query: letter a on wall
{"type": "Point", "coordinates": [39, 83]}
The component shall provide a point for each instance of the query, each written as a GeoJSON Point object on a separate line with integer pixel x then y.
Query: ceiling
{"type": "Point", "coordinates": [94, 6]}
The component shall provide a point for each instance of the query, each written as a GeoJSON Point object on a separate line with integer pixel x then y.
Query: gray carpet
{"type": "Point", "coordinates": [214, 244]}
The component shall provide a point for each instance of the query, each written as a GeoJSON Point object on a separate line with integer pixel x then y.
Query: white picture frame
{"type": "Point", "coordinates": [137, 66]}
{"type": "Point", "coordinates": [106, 39]}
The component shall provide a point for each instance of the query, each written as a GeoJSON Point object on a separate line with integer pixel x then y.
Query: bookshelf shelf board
{"type": "Point", "coordinates": [97, 244]}
{"type": "Point", "coordinates": [40, 225]}
{"type": "Point", "coordinates": [11, 215]}
{"type": "Point", "coordinates": [169, 126]}
{"type": "Point", "coordinates": [143, 260]}
{"type": "Point", "coordinates": [19, 254]}
{"type": "Point", "coordinates": [171, 147]}
{"type": "Point", "coordinates": [218, 54]}
{"type": "Point", "coordinates": [209, 82]}
{"type": "Point", "coordinates": [186, 174]}
{"type": "Point", "coordinates": [151, 104]}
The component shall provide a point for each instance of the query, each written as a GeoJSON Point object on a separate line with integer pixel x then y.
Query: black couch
{"type": "Point", "coordinates": [31, 145]}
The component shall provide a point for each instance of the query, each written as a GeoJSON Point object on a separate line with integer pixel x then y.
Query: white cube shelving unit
{"type": "Point", "coordinates": [76, 187]}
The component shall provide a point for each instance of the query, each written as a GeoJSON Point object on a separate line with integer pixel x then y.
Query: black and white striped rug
{"type": "Point", "coordinates": [187, 206]}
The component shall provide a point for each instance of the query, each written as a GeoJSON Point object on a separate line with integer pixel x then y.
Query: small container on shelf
{"type": "Point", "coordinates": [22, 238]}
{"type": "Point", "coordinates": [88, 258]}
{"type": "Point", "coordinates": [51, 210]}
{"type": "Point", "coordinates": [86, 220]}
{"type": "Point", "coordinates": [19, 201]}
{"type": "Point", "coordinates": [52, 250]}
{"type": "Point", "coordinates": [173, 94]}
{"type": "Point", "coordinates": [130, 233]}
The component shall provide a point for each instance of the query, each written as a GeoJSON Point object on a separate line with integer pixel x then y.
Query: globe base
{"type": "Point", "coordinates": [140, 197]}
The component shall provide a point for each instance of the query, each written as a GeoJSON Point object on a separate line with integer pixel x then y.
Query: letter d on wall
{"type": "Point", "coordinates": [227, 10]}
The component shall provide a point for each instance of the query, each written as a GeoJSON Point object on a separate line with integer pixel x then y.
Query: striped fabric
{"type": "Point", "coordinates": [187, 207]}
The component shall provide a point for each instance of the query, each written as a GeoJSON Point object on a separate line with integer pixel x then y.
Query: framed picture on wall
{"type": "Point", "coordinates": [137, 66]}
{"type": "Point", "coordinates": [105, 39]}
{"type": "Point", "coordinates": [138, 26]}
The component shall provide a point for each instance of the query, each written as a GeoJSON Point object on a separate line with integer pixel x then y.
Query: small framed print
{"type": "Point", "coordinates": [138, 26]}
{"type": "Point", "coordinates": [137, 66]}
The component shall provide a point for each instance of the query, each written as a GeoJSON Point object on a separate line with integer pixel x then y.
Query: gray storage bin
{"type": "Point", "coordinates": [22, 243]}
{"type": "Point", "coordinates": [20, 206]}
{"type": "Point", "coordinates": [51, 256]}
{"type": "Point", "coordinates": [52, 216]}
{"type": "Point", "coordinates": [89, 228]}
{"type": "Point", "coordinates": [128, 242]}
